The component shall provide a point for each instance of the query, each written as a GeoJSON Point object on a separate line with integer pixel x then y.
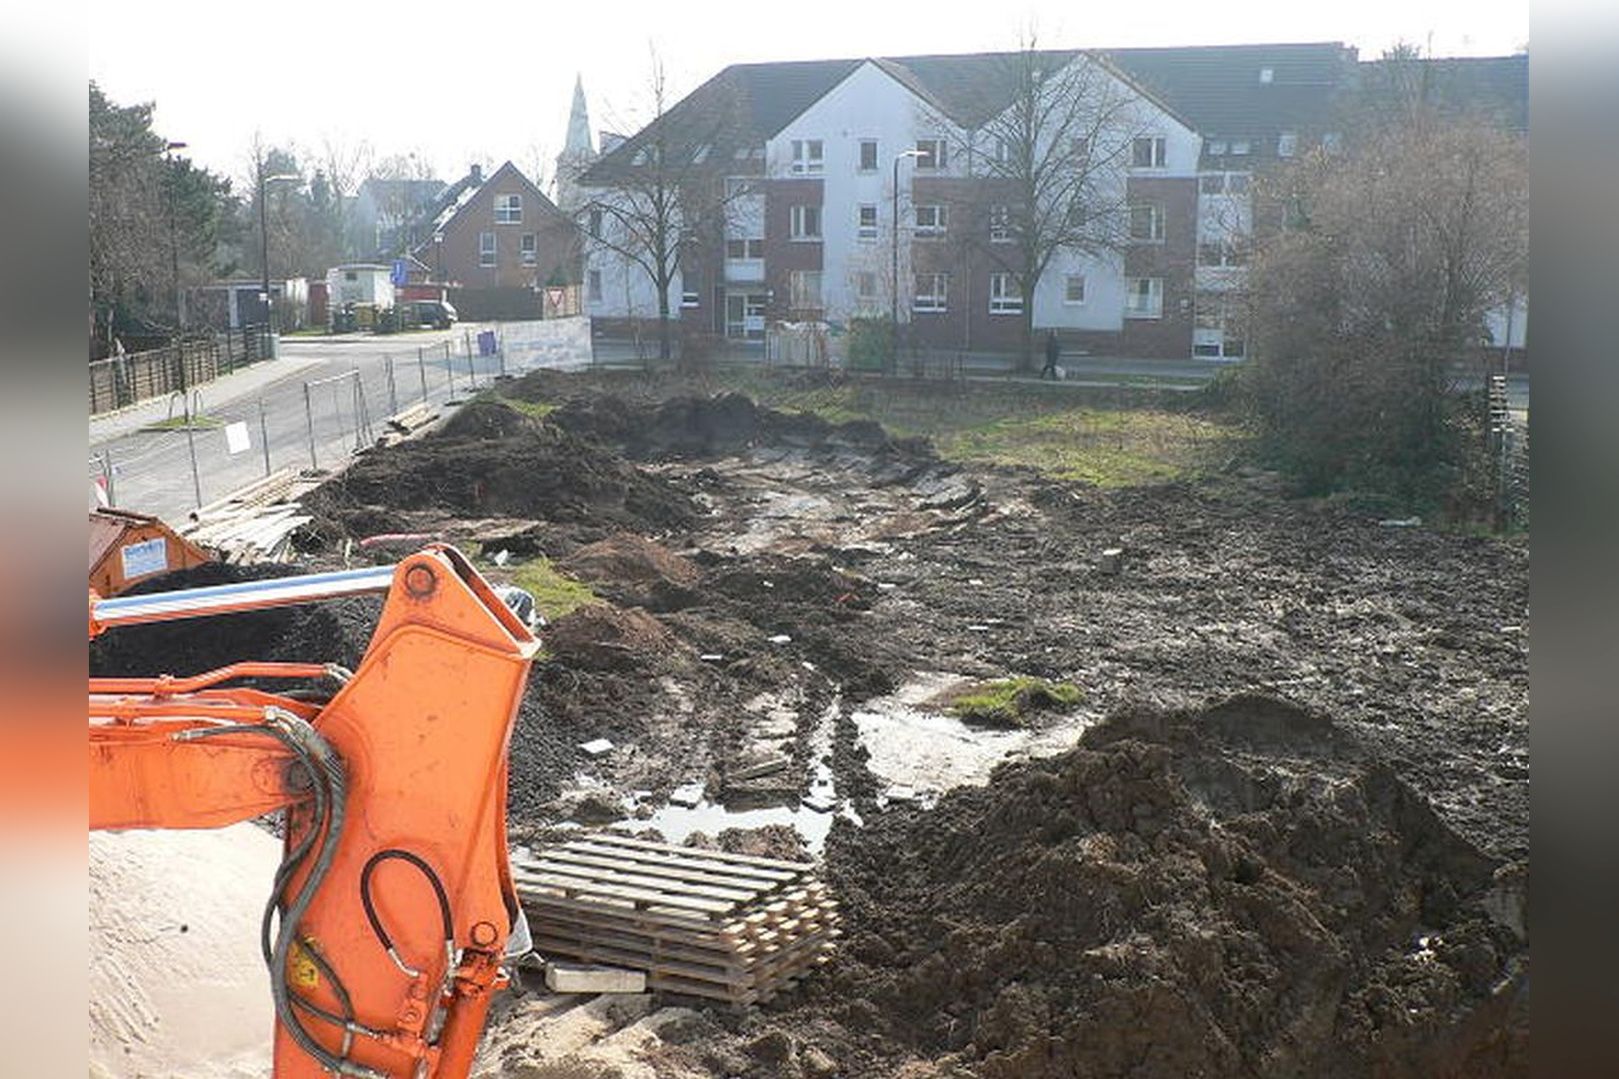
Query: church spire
{"type": "Point", "coordinates": [579, 123]}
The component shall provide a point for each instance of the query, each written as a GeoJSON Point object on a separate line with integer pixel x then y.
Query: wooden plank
{"type": "Point", "coordinates": [673, 918]}
{"type": "Point", "coordinates": [702, 875]}
{"type": "Point", "coordinates": [693, 852]}
{"type": "Point", "coordinates": [759, 873]}
{"type": "Point", "coordinates": [562, 864]}
{"type": "Point", "coordinates": [596, 953]}
{"type": "Point", "coordinates": [714, 953]}
{"type": "Point", "coordinates": [574, 887]}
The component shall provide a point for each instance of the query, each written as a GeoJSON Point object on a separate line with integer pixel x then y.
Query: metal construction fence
{"type": "Point", "coordinates": [204, 449]}
{"type": "Point", "coordinates": [141, 376]}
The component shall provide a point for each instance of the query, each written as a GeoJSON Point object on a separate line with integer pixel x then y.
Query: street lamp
{"type": "Point", "coordinates": [264, 232]}
{"type": "Point", "coordinates": [893, 290]}
{"type": "Point", "coordinates": [174, 244]}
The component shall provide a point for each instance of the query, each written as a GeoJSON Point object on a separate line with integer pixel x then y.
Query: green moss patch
{"type": "Point", "coordinates": [1009, 702]}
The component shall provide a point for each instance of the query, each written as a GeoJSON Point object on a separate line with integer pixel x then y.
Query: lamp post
{"type": "Point", "coordinates": [893, 283]}
{"type": "Point", "coordinates": [264, 232]}
{"type": "Point", "coordinates": [174, 261]}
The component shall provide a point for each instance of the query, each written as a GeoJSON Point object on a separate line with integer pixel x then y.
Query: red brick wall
{"type": "Point", "coordinates": [1173, 260]}
{"type": "Point", "coordinates": [556, 240]}
{"type": "Point", "coordinates": [782, 254]}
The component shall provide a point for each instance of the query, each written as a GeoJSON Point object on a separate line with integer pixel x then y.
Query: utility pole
{"type": "Point", "coordinates": [893, 283]}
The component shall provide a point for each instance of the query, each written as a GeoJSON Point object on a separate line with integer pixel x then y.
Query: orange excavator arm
{"type": "Point", "coordinates": [393, 915]}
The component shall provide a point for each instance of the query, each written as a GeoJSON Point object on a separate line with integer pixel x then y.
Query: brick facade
{"type": "Point", "coordinates": [457, 256]}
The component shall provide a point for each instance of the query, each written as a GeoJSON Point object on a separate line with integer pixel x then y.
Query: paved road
{"type": "Point", "coordinates": [152, 469]}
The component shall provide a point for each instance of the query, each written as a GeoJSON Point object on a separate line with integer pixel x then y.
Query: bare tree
{"type": "Point", "coordinates": [1376, 291]}
{"type": "Point", "coordinates": [1046, 172]}
{"type": "Point", "coordinates": [663, 195]}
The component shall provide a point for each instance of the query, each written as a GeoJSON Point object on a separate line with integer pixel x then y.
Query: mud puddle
{"type": "Point", "coordinates": [918, 751]}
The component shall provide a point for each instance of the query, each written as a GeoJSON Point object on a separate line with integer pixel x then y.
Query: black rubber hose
{"type": "Point", "coordinates": [426, 870]}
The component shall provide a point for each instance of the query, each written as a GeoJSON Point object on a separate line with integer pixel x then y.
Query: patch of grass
{"type": "Point", "coordinates": [178, 423]}
{"type": "Point", "coordinates": [1006, 702]}
{"type": "Point", "coordinates": [1107, 447]}
{"type": "Point", "coordinates": [555, 593]}
{"type": "Point", "coordinates": [538, 409]}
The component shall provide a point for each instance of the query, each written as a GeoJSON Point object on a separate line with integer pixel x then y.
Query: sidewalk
{"type": "Point", "coordinates": [221, 391]}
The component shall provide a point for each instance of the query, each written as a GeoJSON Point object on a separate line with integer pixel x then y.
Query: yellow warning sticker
{"type": "Point", "coordinates": [301, 969]}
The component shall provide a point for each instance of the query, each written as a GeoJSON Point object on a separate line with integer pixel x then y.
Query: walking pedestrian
{"type": "Point", "coordinates": [1052, 350]}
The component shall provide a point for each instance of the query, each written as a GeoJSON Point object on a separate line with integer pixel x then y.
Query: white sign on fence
{"type": "Point", "coordinates": [554, 342]}
{"type": "Point", "coordinates": [148, 556]}
{"type": "Point", "coordinates": [236, 437]}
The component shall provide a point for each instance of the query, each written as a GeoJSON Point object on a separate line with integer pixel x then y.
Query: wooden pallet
{"type": "Point", "coordinates": [704, 923]}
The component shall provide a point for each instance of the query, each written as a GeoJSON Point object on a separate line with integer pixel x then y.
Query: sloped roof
{"type": "Point", "coordinates": [1496, 86]}
{"type": "Point", "coordinates": [1218, 88]}
{"type": "Point", "coordinates": [745, 104]}
{"type": "Point", "coordinates": [464, 190]}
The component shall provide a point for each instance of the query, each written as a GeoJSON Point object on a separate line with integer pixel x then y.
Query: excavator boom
{"type": "Point", "coordinates": [393, 915]}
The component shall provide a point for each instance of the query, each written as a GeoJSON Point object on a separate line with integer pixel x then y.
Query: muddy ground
{"type": "Point", "coordinates": [1284, 833]}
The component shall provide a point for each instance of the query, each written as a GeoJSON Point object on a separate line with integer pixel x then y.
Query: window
{"type": "Point", "coordinates": [593, 286]}
{"type": "Point", "coordinates": [1267, 74]}
{"type": "Point", "coordinates": [744, 249]}
{"type": "Point", "coordinates": [508, 209]}
{"type": "Point", "coordinates": [1211, 183]}
{"type": "Point", "coordinates": [1000, 225]}
{"type": "Point", "coordinates": [807, 156]}
{"type": "Point", "coordinates": [1217, 147]}
{"type": "Point", "coordinates": [1000, 150]}
{"type": "Point", "coordinates": [932, 292]}
{"type": "Point", "coordinates": [804, 287]}
{"type": "Point", "coordinates": [530, 252]}
{"type": "Point", "coordinates": [868, 155]}
{"type": "Point", "coordinates": [1287, 144]}
{"type": "Point", "coordinates": [933, 154]}
{"type": "Point", "coordinates": [1073, 289]}
{"type": "Point", "coordinates": [1147, 224]}
{"type": "Point", "coordinates": [1236, 183]}
{"type": "Point", "coordinates": [865, 287]}
{"type": "Point", "coordinates": [1221, 253]}
{"type": "Point", "coordinates": [1147, 152]}
{"type": "Point", "coordinates": [700, 155]}
{"type": "Point", "coordinates": [868, 222]}
{"type": "Point", "coordinates": [805, 223]}
{"type": "Point", "coordinates": [351, 275]}
{"type": "Point", "coordinates": [1240, 147]}
{"type": "Point", "coordinates": [1004, 296]}
{"type": "Point", "coordinates": [1143, 297]}
{"type": "Point", "coordinates": [690, 294]}
{"type": "Point", "coordinates": [595, 224]}
{"type": "Point", "coordinates": [486, 249]}
{"type": "Point", "coordinates": [930, 221]}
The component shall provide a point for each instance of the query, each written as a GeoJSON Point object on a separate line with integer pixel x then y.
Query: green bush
{"type": "Point", "coordinates": [870, 343]}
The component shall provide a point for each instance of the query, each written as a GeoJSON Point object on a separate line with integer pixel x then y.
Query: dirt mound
{"type": "Point", "coordinates": [690, 426]}
{"type": "Point", "coordinates": [336, 631]}
{"type": "Point", "coordinates": [501, 464]}
{"type": "Point", "coordinates": [599, 637]}
{"type": "Point", "coordinates": [1178, 903]}
{"type": "Point", "coordinates": [487, 418]}
{"type": "Point", "coordinates": [636, 572]}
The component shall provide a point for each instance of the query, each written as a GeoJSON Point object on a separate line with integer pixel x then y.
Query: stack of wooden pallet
{"type": "Point", "coordinates": [254, 523]}
{"type": "Point", "coordinates": [705, 923]}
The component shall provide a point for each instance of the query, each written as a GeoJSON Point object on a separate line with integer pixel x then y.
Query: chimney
{"type": "Point", "coordinates": [477, 174]}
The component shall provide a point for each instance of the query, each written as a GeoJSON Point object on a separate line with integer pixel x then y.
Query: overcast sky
{"type": "Point", "coordinates": [491, 81]}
